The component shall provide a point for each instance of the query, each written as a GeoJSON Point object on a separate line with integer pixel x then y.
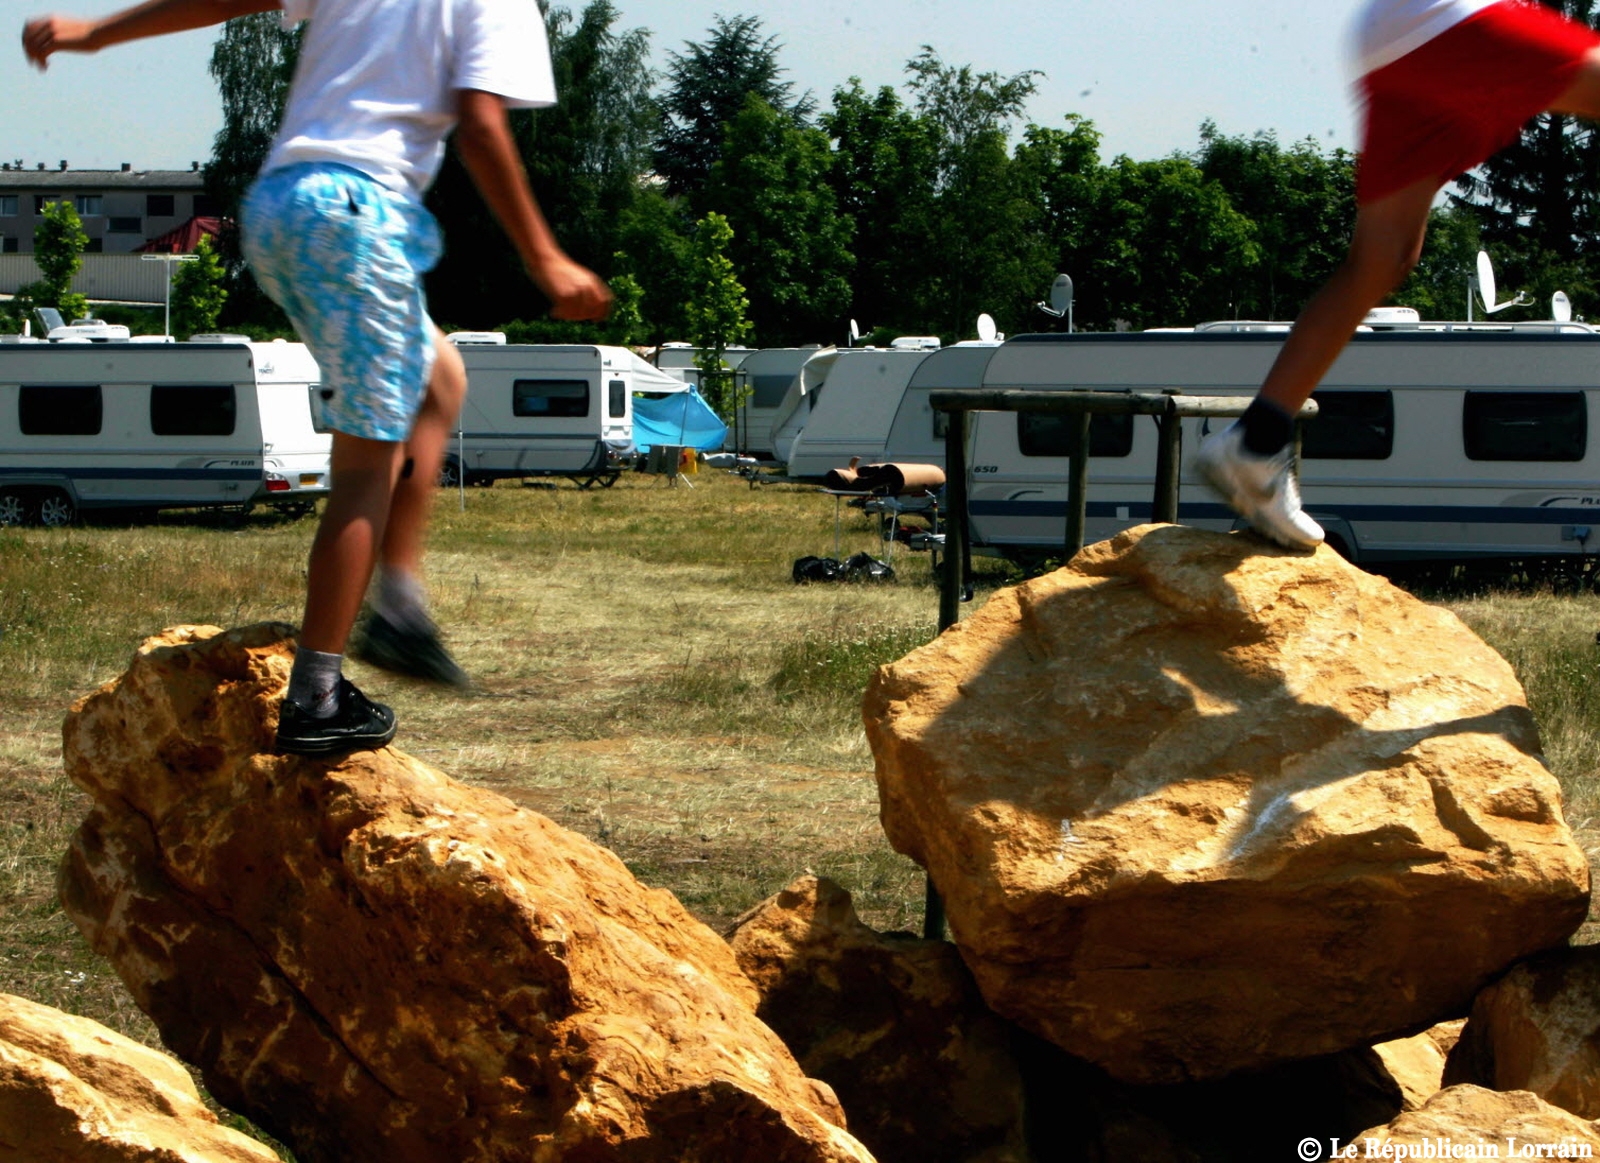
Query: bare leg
{"type": "Point", "coordinates": [1386, 245]}
{"type": "Point", "coordinates": [408, 515]}
{"type": "Point", "coordinates": [363, 481]}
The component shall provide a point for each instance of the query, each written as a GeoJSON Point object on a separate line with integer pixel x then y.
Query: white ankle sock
{"type": "Point", "coordinates": [400, 600]}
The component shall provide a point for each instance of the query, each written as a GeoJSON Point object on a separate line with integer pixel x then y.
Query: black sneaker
{"type": "Point", "coordinates": [358, 725]}
{"type": "Point", "coordinates": [417, 653]}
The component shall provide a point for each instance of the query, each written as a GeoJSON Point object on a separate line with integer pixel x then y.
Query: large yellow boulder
{"type": "Point", "coordinates": [378, 963]}
{"type": "Point", "coordinates": [1196, 805]}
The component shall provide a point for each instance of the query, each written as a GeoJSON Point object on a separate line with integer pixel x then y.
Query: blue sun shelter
{"type": "Point", "coordinates": [670, 412]}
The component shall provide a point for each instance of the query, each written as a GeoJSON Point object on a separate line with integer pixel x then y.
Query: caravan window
{"type": "Point", "coordinates": [59, 410]}
{"type": "Point", "coordinates": [550, 398]}
{"type": "Point", "coordinates": [1043, 434]}
{"type": "Point", "coordinates": [767, 391]}
{"type": "Point", "coordinates": [1350, 426]}
{"type": "Point", "coordinates": [617, 405]}
{"type": "Point", "coordinates": [192, 409]}
{"type": "Point", "coordinates": [1525, 425]}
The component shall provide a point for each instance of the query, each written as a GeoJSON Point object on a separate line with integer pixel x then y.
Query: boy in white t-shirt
{"type": "Point", "coordinates": [336, 232]}
{"type": "Point", "coordinates": [1445, 84]}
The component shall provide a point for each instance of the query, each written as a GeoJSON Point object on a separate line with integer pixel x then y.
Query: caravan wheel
{"type": "Point", "coordinates": [56, 509]}
{"type": "Point", "coordinates": [13, 508]}
{"type": "Point", "coordinates": [449, 473]}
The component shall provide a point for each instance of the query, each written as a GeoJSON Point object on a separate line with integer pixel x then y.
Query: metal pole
{"type": "Point", "coordinates": [1078, 480]}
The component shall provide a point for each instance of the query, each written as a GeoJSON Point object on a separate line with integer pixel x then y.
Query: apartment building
{"type": "Point", "coordinates": [121, 209]}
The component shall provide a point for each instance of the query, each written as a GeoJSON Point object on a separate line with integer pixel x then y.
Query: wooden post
{"type": "Point", "coordinates": [1078, 480]}
{"type": "Point", "coordinates": [1169, 456]}
{"type": "Point", "coordinates": [956, 532]}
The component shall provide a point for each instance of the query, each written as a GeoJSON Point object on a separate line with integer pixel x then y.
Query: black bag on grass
{"type": "Point", "coordinates": [863, 567]}
{"type": "Point", "coordinates": [818, 569]}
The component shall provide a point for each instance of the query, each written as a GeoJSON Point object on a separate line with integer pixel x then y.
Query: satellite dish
{"type": "Point", "coordinates": [1061, 294]}
{"type": "Point", "coordinates": [855, 333]}
{"type": "Point", "coordinates": [1486, 287]}
{"type": "Point", "coordinates": [986, 328]}
{"type": "Point", "coordinates": [1560, 307]}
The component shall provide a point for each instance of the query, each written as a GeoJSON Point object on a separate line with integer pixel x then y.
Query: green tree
{"type": "Point", "coordinates": [716, 311]}
{"type": "Point", "coordinates": [199, 289]}
{"type": "Point", "coordinates": [583, 157]}
{"type": "Point", "coordinates": [1061, 171]}
{"type": "Point", "coordinates": [789, 243]}
{"type": "Point", "coordinates": [252, 63]}
{"type": "Point", "coordinates": [1302, 203]}
{"type": "Point", "coordinates": [707, 87]}
{"type": "Point", "coordinates": [979, 256]}
{"type": "Point", "coordinates": [654, 235]}
{"type": "Point", "coordinates": [626, 322]}
{"type": "Point", "coordinates": [58, 243]}
{"type": "Point", "coordinates": [883, 177]}
{"type": "Point", "coordinates": [1173, 250]}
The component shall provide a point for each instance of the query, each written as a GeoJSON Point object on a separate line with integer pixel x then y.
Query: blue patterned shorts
{"type": "Point", "coordinates": [344, 257]}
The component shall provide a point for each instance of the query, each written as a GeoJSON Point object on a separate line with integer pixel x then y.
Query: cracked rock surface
{"type": "Point", "coordinates": [375, 962]}
{"type": "Point", "coordinates": [1197, 805]}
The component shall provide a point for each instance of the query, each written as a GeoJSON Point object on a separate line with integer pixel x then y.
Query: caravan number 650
{"type": "Point", "coordinates": [977, 468]}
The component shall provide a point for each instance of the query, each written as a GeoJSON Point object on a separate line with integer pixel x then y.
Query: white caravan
{"type": "Point", "coordinates": [548, 410]}
{"type": "Point", "coordinates": [851, 410]}
{"type": "Point", "coordinates": [916, 434]}
{"type": "Point", "coordinates": [678, 360]}
{"type": "Point", "coordinates": [795, 409]}
{"type": "Point", "coordinates": [1435, 441]}
{"type": "Point", "coordinates": [87, 426]}
{"type": "Point", "coordinates": [767, 374]}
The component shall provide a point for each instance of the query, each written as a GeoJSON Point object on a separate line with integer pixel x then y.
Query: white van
{"type": "Point", "coordinates": [549, 410]}
{"type": "Point", "coordinates": [850, 409]}
{"type": "Point", "coordinates": [1435, 441]}
{"type": "Point", "coordinates": [86, 426]}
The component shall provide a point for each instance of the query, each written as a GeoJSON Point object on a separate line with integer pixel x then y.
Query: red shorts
{"type": "Point", "coordinates": [1448, 105]}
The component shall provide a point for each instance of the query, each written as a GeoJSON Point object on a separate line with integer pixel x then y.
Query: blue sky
{"type": "Point", "coordinates": [1146, 73]}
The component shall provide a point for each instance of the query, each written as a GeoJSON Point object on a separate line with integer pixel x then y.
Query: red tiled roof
{"type": "Point", "coordinates": [182, 239]}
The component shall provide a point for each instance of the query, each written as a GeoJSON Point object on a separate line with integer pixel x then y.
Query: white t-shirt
{"type": "Point", "coordinates": [1387, 30]}
{"type": "Point", "coordinates": [376, 81]}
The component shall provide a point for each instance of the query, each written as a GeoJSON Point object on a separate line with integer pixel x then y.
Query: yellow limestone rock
{"type": "Point", "coordinates": [1197, 805]}
{"type": "Point", "coordinates": [72, 1090]}
{"type": "Point", "coordinates": [892, 1022]}
{"type": "Point", "coordinates": [1538, 1029]}
{"type": "Point", "coordinates": [1417, 1063]}
{"type": "Point", "coordinates": [1481, 1124]}
{"type": "Point", "coordinates": [377, 963]}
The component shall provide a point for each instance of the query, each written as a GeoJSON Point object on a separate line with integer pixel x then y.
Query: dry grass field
{"type": "Point", "coordinates": [647, 675]}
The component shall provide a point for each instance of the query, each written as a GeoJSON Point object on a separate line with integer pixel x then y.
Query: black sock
{"type": "Point", "coordinates": [1267, 428]}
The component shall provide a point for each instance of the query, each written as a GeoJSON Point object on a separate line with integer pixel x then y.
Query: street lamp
{"type": "Point", "coordinates": [168, 260]}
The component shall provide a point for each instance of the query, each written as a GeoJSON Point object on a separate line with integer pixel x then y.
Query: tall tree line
{"type": "Point", "coordinates": [911, 209]}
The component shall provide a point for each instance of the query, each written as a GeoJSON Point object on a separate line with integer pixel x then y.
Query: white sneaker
{"type": "Point", "coordinates": [1261, 489]}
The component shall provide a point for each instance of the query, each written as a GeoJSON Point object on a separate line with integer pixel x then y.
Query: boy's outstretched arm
{"type": "Point", "coordinates": [45, 35]}
{"type": "Point", "coordinates": [484, 138]}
